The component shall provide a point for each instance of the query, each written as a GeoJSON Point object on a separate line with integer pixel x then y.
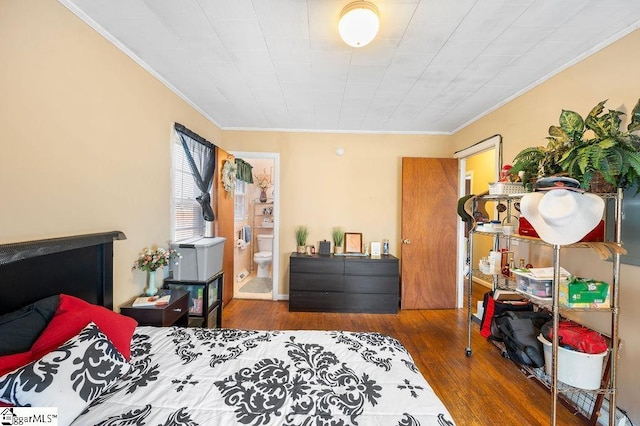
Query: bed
{"type": "Point", "coordinates": [99, 368]}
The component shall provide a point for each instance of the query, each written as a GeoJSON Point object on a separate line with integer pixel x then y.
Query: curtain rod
{"type": "Point", "coordinates": [196, 137]}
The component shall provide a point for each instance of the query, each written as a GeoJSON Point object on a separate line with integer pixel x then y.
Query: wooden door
{"type": "Point", "coordinates": [224, 211]}
{"type": "Point", "coordinates": [429, 226]}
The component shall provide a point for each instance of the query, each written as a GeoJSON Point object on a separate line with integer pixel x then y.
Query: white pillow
{"type": "Point", "coordinates": [69, 378]}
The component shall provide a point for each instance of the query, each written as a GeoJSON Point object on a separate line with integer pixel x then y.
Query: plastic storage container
{"type": "Point", "coordinates": [535, 286]}
{"type": "Point", "coordinates": [575, 369]}
{"type": "Point", "coordinates": [537, 282]}
{"type": "Point", "coordinates": [200, 258]}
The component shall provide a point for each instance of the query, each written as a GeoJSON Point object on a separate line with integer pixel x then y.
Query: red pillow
{"type": "Point", "coordinates": [8, 363]}
{"type": "Point", "coordinates": [73, 315]}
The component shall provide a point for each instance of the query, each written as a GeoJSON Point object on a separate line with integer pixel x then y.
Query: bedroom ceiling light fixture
{"type": "Point", "coordinates": [359, 23]}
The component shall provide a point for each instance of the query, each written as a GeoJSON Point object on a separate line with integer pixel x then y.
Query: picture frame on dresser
{"type": "Point", "coordinates": [353, 242]}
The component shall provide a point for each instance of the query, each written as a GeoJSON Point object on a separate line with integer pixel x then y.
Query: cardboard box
{"type": "Point", "coordinates": [584, 293]}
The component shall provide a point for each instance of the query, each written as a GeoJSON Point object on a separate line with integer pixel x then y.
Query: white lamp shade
{"type": "Point", "coordinates": [359, 23]}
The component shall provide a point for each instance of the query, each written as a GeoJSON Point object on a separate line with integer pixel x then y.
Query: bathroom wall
{"type": "Point", "coordinates": [244, 256]}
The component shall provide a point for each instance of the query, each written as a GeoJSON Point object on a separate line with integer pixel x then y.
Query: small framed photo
{"type": "Point", "coordinates": [375, 248]}
{"type": "Point", "coordinates": [352, 242]}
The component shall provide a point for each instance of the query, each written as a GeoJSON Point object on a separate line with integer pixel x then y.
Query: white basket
{"type": "Point", "coordinates": [576, 369]}
{"type": "Point", "coordinates": [499, 188]}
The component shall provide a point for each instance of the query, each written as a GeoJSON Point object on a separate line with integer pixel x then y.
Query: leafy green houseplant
{"type": "Point", "coordinates": [301, 238]}
{"type": "Point", "coordinates": [610, 153]}
{"type": "Point", "coordinates": [337, 234]}
{"type": "Point", "coordinates": [585, 149]}
{"type": "Point", "coordinates": [535, 162]}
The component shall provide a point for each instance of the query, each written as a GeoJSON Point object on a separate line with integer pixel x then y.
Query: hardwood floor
{"type": "Point", "coordinates": [484, 389]}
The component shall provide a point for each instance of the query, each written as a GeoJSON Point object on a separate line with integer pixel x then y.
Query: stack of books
{"type": "Point", "coordinates": [151, 301]}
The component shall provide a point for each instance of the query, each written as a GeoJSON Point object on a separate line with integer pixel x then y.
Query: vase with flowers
{"type": "Point", "coordinates": [151, 260]}
{"type": "Point", "coordinates": [263, 180]}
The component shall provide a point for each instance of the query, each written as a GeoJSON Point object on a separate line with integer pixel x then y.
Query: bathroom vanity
{"type": "Point", "coordinates": [329, 283]}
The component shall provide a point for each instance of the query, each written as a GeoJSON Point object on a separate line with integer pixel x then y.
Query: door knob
{"type": "Point", "coordinates": [406, 241]}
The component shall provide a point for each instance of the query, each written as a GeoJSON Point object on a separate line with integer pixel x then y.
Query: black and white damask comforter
{"type": "Point", "coordinates": [192, 376]}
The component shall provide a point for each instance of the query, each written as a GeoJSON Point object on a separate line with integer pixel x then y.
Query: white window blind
{"type": "Point", "coordinates": [189, 222]}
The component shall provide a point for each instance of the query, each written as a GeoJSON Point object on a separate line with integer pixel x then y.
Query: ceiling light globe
{"type": "Point", "coordinates": [359, 23]}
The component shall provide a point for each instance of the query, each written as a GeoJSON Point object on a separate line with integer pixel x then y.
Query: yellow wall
{"type": "Point", "coordinates": [481, 166]}
{"type": "Point", "coordinates": [609, 74]}
{"type": "Point", "coordinates": [359, 191]}
{"type": "Point", "coordinates": [86, 136]}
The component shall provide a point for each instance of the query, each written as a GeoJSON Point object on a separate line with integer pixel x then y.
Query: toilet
{"type": "Point", "coordinates": [264, 254]}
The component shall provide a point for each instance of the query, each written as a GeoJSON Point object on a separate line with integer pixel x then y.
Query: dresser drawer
{"type": "Point", "coordinates": [375, 267]}
{"type": "Point", "coordinates": [175, 310]}
{"type": "Point", "coordinates": [315, 282]}
{"type": "Point", "coordinates": [160, 316]}
{"type": "Point", "coordinates": [317, 265]}
{"type": "Point", "coordinates": [316, 301]}
{"type": "Point", "coordinates": [370, 284]}
{"type": "Point", "coordinates": [372, 303]}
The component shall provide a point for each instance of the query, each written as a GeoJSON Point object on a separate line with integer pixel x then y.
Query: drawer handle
{"type": "Point", "coordinates": [177, 310]}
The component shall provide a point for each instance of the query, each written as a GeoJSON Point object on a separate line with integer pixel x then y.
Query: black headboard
{"type": "Point", "coordinates": [80, 266]}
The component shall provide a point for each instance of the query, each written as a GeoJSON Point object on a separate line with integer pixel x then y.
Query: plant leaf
{"type": "Point", "coordinates": [595, 121]}
{"type": "Point", "coordinates": [556, 132]}
{"type": "Point", "coordinates": [634, 125]}
{"type": "Point", "coordinates": [597, 110]}
{"type": "Point", "coordinates": [572, 124]}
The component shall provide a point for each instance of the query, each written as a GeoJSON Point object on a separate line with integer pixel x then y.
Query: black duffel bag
{"type": "Point", "coordinates": [519, 331]}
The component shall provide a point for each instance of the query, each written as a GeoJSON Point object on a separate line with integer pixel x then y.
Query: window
{"type": "Point", "coordinates": [240, 200]}
{"type": "Point", "coordinates": [187, 213]}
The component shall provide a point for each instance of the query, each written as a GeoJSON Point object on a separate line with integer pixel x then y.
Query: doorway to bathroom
{"type": "Point", "coordinates": [256, 227]}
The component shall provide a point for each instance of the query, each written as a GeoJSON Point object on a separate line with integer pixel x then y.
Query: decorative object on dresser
{"type": "Point", "coordinates": [338, 237]}
{"type": "Point", "coordinates": [375, 248]}
{"type": "Point", "coordinates": [325, 247]}
{"type": "Point", "coordinates": [301, 238]}
{"type": "Point", "coordinates": [343, 284]}
{"type": "Point", "coordinates": [353, 242]}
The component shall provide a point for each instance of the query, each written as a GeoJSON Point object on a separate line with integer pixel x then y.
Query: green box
{"type": "Point", "coordinates": [584, 292]}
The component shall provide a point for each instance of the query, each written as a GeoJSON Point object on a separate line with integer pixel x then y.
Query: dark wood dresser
{"type": "Point", "coordinates": [328, 283]}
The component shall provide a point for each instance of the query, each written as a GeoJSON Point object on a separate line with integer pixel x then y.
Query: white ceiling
{"type": "Point", "coordinates": [435, 66]}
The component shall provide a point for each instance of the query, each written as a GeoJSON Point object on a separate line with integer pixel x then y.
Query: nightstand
{"type": "Point", "coordinates": [175, 313]}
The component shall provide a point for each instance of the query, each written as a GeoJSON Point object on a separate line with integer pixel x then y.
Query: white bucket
{"type": "Point", "coordinates": [575, 368]}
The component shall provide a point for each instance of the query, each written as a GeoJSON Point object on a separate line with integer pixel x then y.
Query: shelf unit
{"type": "Point", "coordinates": [205, 299]}
{"type": "Point", "coordinates": [557, 388]}
{"type": "Point", "coordinates": [262, 211]}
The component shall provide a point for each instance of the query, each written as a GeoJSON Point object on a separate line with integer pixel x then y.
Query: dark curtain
{"type": "Point", "coordinates": [201, 155]}
{"type": "Point", "coordinates": [244, 171]}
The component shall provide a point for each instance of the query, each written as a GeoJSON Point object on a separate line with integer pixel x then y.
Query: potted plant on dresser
{"type": "Point", "coordinates": [337, 234]}
{"type": "Point", "coordinates": [301, 238]}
